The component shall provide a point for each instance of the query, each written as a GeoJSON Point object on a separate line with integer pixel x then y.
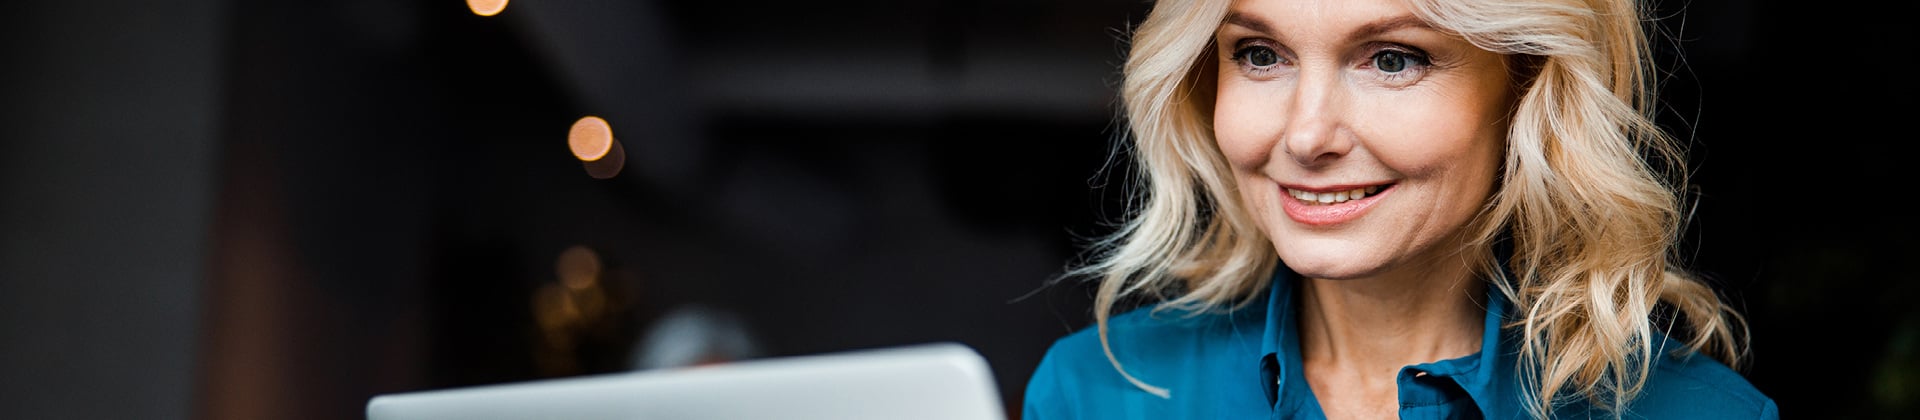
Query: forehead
{"type": "Point", "coordinates": [1322, 17]}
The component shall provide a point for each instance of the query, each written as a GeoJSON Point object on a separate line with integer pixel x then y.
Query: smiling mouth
{"type": "Point", "coordinates": [1334, 197]}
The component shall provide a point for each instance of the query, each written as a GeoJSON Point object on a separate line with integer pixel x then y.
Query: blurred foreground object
{"type": "Point", "coordinates": [695, 334]}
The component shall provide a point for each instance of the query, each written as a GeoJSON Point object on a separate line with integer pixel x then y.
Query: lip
{"type": "Point", "coordinates": [1330, 214]}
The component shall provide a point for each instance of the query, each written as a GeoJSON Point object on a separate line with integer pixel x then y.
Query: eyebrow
{"type": "Point", "coordinates": [1371, 29]}
{"type": "Point", "coordinates": [1244, 20]}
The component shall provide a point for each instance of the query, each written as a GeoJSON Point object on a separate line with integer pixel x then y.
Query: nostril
{"type": "Point", "coordinates": [1315, 144]}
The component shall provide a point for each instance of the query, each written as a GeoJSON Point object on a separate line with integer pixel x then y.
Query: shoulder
{"type": "Point", "coordinates": [1076, 379]}
{"type": "Point", "coordinates": [1147, 341]}
{"type": "Point", "coordinates": [1691, 385]}
{"type": "Point", "coordinates": [1142, 341]}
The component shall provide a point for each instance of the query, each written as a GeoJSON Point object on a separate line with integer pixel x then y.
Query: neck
{"type": "Point", "coordinates": [1367, 329]}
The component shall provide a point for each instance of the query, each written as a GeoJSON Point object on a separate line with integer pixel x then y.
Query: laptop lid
{"type": "Point", "coordinates": [938, 381]}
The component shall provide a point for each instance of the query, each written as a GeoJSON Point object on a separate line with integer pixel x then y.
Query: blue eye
{"type": "Point", "coordinates": [1390, 61]}
{"type": "Point", "coordinates": [1257, 56]}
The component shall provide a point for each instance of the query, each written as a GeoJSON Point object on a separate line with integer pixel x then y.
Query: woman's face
{"type": "Point", "coordinates": [1363, 140]}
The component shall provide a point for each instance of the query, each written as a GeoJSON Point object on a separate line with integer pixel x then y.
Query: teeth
{"type": "Point", "coordinates": [1332, 197]}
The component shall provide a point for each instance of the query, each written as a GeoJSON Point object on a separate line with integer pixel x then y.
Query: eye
{"type": "Point", "coordinates": [1392, 61]}
{"type": "Point", "coordinates": [1257, 56]}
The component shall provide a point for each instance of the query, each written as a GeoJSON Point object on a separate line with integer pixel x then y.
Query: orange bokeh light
{"type": "Point", "coordinates": [609, 165]}
{"type": "Point", "coordinates": [590, 138]}
{"type": "Point", "coordinates": [487, 7]}
{"type": "Point", "coordinates": [579, 267]}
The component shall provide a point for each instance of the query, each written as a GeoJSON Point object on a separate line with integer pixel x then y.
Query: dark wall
{"type": "Point", "coordinates": [107, 143]}
{"type": "Point", "coordinates": [1780, 115]}
{"type": "Point", "coordinates": [397, 182]}
{"type": "Point", "coordinates": [277, 209]}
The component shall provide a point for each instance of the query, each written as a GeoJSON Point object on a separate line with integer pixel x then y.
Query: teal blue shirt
{"type": "Point", "coordinates": [1245, 364]}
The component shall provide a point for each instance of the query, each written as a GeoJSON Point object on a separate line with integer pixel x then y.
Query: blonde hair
{"type": "Point", "coordinates": [1589, 196]}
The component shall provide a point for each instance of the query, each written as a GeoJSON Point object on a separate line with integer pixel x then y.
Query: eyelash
{"type": "Point", "coordinates": [1421, 62]}
{"type": "Point", "coordinates": [1240, 57]}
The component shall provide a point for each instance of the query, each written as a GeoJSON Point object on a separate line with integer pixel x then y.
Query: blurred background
{"type": "Point", "coordinates": [278, 209]}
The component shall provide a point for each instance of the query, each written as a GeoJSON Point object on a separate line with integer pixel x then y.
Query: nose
{"type": "Point", "coordinates": [1314, 134]}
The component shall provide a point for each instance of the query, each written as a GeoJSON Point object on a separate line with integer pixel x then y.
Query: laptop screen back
{"type": "Point", "coordinates": [940, 381]}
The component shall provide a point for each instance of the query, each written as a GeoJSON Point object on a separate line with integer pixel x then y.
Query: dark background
{"type": "Point", "coordinates": [278, 209]}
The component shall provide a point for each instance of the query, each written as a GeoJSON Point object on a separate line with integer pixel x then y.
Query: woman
{"type": "Point", "coordinates": [1398, 208]}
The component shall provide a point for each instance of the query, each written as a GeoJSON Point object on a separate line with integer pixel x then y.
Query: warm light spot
{"type": "Point", "coordinates": [579, 267]}
{"type": "Point", "coordinates": [487, 7]}
{"type": "Point", "coordinates": [610, 165]}
{"type": "Point", "coordinates": [553, 309]}
{"type": "Point", "coordinates": [590, 138]}
{"type": "Point", "coordinates": [590, 302]}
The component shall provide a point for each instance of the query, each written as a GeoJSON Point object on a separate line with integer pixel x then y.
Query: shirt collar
{"type": "Point", "coordinates": [1486, 376]}
{"type": "Point", "coordinates": [1283, 378]}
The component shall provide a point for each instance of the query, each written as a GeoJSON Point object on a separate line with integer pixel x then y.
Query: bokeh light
{"type": "Point", "coordinates": [610, 165]}
{"type": "Point", "coordinates": [578, 267]}
{"type": "Point", "coordinates": [487, 7]}
{"type": "Point", "coordinates": [590, 138]}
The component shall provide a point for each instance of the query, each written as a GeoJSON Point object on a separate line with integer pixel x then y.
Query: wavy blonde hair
{"type": "Point", "coordinates": [1589, 196]}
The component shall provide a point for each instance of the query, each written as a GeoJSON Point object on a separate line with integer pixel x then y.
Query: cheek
{"type": "Point", "coordinates": [1245, 125]}
{"type": "Point", "coordinates": [1458, 126]}
{"type": "Point", "coordinates": [1433, 135]}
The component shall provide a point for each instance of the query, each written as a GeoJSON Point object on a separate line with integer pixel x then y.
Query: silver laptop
{"type": "Point", "coordinates": [938, 381]}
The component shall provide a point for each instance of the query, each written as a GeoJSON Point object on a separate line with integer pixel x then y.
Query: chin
{"type": "Point", "coordinates": [1331, 275]}
{"type": "Point", "coordinates": [1333, 266]}
{"type": "Point", "coordinates": [1327, 258]}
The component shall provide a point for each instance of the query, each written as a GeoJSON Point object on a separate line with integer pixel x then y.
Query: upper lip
{"type": "Point", "coordinates": [1333, 188]}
